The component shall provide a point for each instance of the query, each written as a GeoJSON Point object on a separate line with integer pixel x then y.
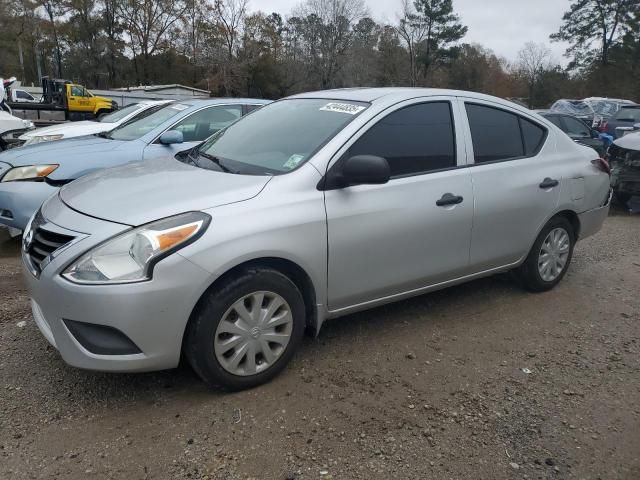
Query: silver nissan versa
{"type": "Point", "coordinates": [313, 207]}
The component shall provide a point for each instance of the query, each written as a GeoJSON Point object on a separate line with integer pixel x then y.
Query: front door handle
{"type": "Point", "coordinates": [548, 183]}
{"type": "Point", "coordinates": [449, 199]}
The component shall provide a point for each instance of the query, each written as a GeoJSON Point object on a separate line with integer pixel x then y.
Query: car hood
{"type": "Point", "coordinates": [630, 142]}
{"type": "Point", "coordinates": [71, 129]}
{"type": "Point", "coordinates": [142, 192]}
{"type": "Point", "coordinates": [53, 152]}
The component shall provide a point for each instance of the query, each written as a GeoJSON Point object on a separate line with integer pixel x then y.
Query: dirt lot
{"type": "Point", "coordinates": [482, 381]}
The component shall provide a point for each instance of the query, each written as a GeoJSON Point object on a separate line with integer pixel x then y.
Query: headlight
{"type": "Point", "coordinates": [28, 124]}
{"type": "Point", "coordinates": [44, 138]}
{"type": "Point", "coordinates": [130, 257]}
{"type": "Point", "coordinates": [30, 172]}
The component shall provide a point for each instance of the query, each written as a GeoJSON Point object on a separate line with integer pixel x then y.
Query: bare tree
{"type": "Point", "coordinates": [54, 9]}
{"type": "Point", "coordinates": [229, 15]}
{"type": "Point", "coordinates": [112, 24]}
{"type": "Point", "coordinates": [329, 31]}
{"type": "Point", "coordinates": [412, 30]}
{"type": "Point", "coordinates": [533, 60]}
{"type": "Point", "coordinates": [147, 24]}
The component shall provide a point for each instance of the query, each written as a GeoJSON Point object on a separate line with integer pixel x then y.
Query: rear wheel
{"type": "Point", "coordinates": [550, 256]}
{"type": "Point", "coordinates": [244, 333]}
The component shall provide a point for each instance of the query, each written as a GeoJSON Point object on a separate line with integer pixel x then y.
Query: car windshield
{"type": "Point", "coordinates": [118, 115]}
{"type": "Point", "coordinates": [628, 115]}
{"type": "Point", "coordinates": [279, 137]}
{"type": "Point", "coordinates": [146, 121]}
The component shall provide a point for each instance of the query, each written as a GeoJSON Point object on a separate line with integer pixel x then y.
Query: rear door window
{"type": "Point", "coordinates": [499, 135]}
{"type": "Point", "coordinates": [414, 140]}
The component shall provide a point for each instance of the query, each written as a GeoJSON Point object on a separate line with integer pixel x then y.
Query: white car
{"type": "Point", "coordinates": [88, 127]}
{"type": "Point", "coordinates": [11, 128]}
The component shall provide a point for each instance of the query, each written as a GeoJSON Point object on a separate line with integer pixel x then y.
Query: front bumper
{"type": "Point", "coordinates": [20, 200]}
{"type": "Point", "coordinates": [152, 314]}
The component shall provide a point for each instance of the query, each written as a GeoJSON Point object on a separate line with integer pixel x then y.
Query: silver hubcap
{"type": "Point", "coordinates": [554, 253]}
{"type": "Point", "coordinates": [254, 333]}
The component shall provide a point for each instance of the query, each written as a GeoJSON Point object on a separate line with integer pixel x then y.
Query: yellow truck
{"type": "Point", "coordinates": [63, 100]}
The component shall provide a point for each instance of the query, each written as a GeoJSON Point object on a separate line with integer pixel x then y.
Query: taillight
{"type": "Point", "coordinates": [602, 165]}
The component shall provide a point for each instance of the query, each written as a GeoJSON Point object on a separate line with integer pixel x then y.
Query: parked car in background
{"type": "Point", "coordinates": [605, 108]}
{"type": "Point", "coordinates": [595, 111]}
{"type": "Point", "coordinates": [313, 207]}
{"type": "Point", "coordinates": [576, 108]}
{"type": "Point", "coordinates": [578, 131]}
{"type": "Point", "coordinates": [624, 158]}
{"type": "Point", "coordinates": [105, 123]}
{"type": "Point", "coordinates": [623, 121]}
{"type": "Point", "coordinates": [30, 174]}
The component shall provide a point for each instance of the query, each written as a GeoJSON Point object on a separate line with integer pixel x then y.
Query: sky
{"type": "Point", "coordinates": [504, 26]}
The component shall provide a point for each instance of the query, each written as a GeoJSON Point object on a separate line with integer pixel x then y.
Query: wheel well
{"type": "Point", "coordinates": [572, 217]}
{"type": "Point", "coordinates": [292, 270]}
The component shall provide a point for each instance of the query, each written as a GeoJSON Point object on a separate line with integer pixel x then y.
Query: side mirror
{"type": "Point", "coordinates": [171, 137]}
{"type": "Point", "coordinates": [357, 170]}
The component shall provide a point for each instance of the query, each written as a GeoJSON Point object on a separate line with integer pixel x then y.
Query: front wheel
{"type": "Point", "coordinates": [550, 256]}
{"type": "Point", "coordinates": [244, 333]}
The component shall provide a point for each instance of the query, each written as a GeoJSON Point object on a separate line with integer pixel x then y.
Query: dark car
{"type": "Point", "coordinates": [624, 119]}
{"type": "Point", "coordinates": [578, 130]}
{"type": "Point", "coordinates": [624, 158]}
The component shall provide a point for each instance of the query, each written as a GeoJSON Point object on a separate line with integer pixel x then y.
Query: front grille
{"type": "Point", "coordinates": [41, 243]}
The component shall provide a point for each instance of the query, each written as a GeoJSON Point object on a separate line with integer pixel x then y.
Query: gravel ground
{"type": "Point", "coordinates": [481, 381]}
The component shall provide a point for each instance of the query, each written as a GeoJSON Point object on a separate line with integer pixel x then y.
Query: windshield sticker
{"type": "Point", "coordinates": [347, 108]}
{"type": "Point", "coordinates": [293, 161]}
{"type": "Point", "coordinates": [179, 107]}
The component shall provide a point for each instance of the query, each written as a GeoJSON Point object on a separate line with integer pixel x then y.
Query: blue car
{"type": "Point", "coordinates": [31, 174]}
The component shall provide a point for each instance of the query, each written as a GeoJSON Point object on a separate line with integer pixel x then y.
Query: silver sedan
{"type": "Point", "coordinates": [310, 208]}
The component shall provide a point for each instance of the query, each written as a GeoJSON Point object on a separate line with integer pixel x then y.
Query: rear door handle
{"type": "Point", "coordinates": [449, 199]}
{"type": "Point", "coordinates": [548, 183]}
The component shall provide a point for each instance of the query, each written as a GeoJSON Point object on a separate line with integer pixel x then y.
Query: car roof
{"type": "Point", "coordinates": [373, 95]}
{"type": "Point", "coordinates": [150, 102]}
{"type": "Point", "coordinates": [202, 102]}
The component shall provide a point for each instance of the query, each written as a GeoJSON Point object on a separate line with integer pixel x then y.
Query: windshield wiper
{"type": "Point", "coordinates": [103, 135]}
{"type": "Point", "coordinates": [217, 161]}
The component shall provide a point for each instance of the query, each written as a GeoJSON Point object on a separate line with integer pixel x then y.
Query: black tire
{"type": "Point", "coordinates": [198, 346]}
{"type": "Point", "coordinates": [528, 272]}
{"type": "Point", "coordinates": [101, 113]}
